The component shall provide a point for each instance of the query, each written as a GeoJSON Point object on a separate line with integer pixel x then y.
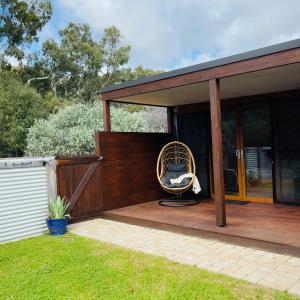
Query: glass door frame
{"type": "Point", "coordinates": [238, 196]}
{"type": "Point", "coordinates": [241, 158]}
{"type": "Point", "coordinates": [280, 151]}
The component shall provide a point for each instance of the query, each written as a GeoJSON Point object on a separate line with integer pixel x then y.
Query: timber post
{"type": "Point", "coordinates": [106, 115]}
{"type": "Point", "coordinates": [217, 151]}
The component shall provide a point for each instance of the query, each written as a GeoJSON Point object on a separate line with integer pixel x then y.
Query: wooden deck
{"type": "Point", "coordinates": [261, 225]}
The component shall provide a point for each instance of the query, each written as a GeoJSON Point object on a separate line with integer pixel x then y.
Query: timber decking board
{"type": "Point", "coordinates": [272, 223]}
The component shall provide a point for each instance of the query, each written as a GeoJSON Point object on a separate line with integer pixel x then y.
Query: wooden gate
{"type": "Point", "coordinates": [79, 181]}
{"type": "Point", "coordinates": [125, 176]}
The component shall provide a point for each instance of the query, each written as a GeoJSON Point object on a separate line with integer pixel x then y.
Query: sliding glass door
{"type": "Point", "coordinates": [287, 152]}
{"type": "Point", "coordinates": [257, 152]}
{"type": "Point", "coordinates": [250, 154]}
{"type": "Point", "coordinates": [231, 150]}
{"type": "Point", "coordinates": [247, 154]}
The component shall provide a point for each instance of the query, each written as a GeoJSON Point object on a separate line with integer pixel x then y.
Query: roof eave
{"type": "Point", "coordinates": [207, 65]}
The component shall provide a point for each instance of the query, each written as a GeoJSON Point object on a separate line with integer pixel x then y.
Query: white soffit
{"type": "Point", "coordinates": [277, 79]}
{"type": "Point", "coordinates": [272, 80]}
{"type": "Point", "coordinates": [186, 94]}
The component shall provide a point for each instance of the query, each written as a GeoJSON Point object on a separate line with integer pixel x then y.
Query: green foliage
{"type": "Point", "coordinates": [19, 107]}
{"type": "Point", "coordinates": [73, 267]}
{"type": "Point", "coordinates": [132, 74]}
{"type": "Point", "coordinates": [141, 72]}
{"type": "Point", "coordinates": [20, 22]}
{"type": "Point", "coordinates": [64, 73]}
{"type": "Point", "coordinates": [54, 104]}
{"type": "Point", "coordinates": [128, 107]}
{"type": "Point", "coordinates": [156, 118]}
{"type": "Point", "coordinates": [29, 74]}
{"type": "Point", "coordinates": [79, 66]}
{"type": "Point", "coordinates": [58, 208]}
{"type": "Point", "coordinates": [71, 131]}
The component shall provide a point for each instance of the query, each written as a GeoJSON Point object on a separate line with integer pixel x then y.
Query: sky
{"type": "Point", "coordinates": [170, 34]}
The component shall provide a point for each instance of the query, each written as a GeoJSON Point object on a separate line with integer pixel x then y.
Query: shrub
{"type": "Point", "coordinates": [19, 107]}
{"type": "Point", "coordinates": [72, 130]}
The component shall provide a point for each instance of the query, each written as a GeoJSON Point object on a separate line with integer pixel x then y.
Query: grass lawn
{"type": "Point", "coordinates": [72, 267]}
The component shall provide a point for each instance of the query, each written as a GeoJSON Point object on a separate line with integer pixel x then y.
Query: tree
{"type": "Point", "coordinates": [139, 72]}
{"type": "Point", "coordinates": [71, 131]}
{"type": "Point", "coordinates": [132, 74]}
{"type": "Point", "coordinates": [79, 66]}
{"type": "Point", "coordinates": [19, 107]}
{"type": "Point", "coordinates": [20, 22]}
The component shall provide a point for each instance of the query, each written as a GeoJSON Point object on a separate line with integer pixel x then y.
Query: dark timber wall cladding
{"type": "Point", "coordinates": [125, 176]}
{"type": "Point", "coordinates": [129, 167]}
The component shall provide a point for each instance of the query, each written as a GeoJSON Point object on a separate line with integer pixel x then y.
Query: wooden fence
{"type": "Point", "coordinates": [122, 173]}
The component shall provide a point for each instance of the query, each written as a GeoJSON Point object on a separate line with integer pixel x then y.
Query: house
{"type": "Point", "coordinates": [240, 115]}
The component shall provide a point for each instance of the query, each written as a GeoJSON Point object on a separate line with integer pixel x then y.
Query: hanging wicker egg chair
{"type": "Point", "coordinates": [174, 160]}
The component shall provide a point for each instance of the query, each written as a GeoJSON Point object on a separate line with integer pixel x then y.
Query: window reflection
{"type": "Point", "coordinates": [258, 154]}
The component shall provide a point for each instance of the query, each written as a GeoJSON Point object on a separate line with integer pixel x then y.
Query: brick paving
{"type": "Point", "coordinates": [257, 266]}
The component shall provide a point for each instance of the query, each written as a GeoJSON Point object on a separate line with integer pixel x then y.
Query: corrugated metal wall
{"type": "Point", "coordinates": [23, 200]}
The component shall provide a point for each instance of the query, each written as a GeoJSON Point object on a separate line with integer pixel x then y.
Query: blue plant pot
{"type": "Point", "coordinates": [57, 226]}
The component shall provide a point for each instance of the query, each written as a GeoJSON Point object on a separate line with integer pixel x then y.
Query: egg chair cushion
{"type": "Point", "coordinates": [176, 168]}
{"type": "Point", "coordinates": [166, 179]}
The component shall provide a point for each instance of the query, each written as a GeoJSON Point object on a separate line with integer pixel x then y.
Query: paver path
{"type": "Point", "coordinates": [257, 266]}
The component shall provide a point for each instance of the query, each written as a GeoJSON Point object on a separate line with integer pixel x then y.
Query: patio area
{"type": "Point", "coordinates": [268, 226]}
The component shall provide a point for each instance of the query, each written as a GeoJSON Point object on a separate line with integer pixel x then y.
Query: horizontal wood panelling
{"type": "Point", "coordinates": [246, 66]}
{"type": "Point", "coordinates": [75, 160]}
{"type": "Point", "coordinates": [128, 167]}
{"type": "Point", "coordinates": [125, 176]}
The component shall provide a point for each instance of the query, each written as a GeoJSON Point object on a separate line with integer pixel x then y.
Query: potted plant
{"type": "Point", "coordinates": [57, 221]}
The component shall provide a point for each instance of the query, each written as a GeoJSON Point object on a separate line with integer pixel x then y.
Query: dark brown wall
{"type": "Point", "coordinates": [129, 167]}
{"type": "Point", "coordinates": [126, 175]}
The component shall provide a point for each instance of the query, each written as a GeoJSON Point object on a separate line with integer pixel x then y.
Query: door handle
{"type": "Point", "coordinates": [242, 162]}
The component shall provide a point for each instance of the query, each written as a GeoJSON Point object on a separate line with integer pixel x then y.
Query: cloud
{"type": "Point", "coordinates": [192, 59]}
{"type": "Point", "coordinates": [12, 61]}
{"type": "Point", "coordinates": [177, 33]}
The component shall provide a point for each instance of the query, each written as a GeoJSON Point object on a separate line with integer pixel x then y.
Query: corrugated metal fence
{"type": "Point", "coordinates": [24, 192]}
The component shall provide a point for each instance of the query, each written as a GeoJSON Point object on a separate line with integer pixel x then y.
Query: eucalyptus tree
{"type": "Point", "coordinates": [79, 65]}
{"type": "Point", "coordinates": [20, 22]}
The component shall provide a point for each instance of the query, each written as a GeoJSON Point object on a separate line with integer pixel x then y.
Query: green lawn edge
{"type": "Point", "coordinates": [74, 267]}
